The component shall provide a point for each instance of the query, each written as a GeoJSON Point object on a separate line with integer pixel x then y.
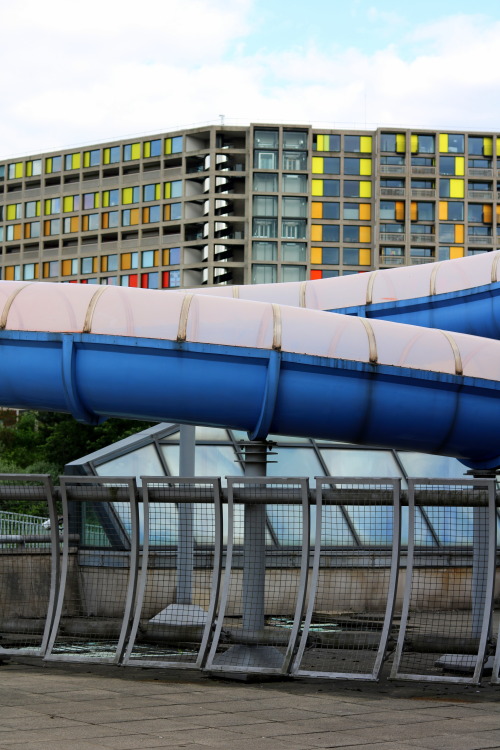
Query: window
{"type": "Point", "coordinates": [265, 228]}
{"type": "Point", "coordinates": [391, 182]}
{"type": "Point", "coordinates": [70, 267]}
{"type": "Point", "coordinates": [51, 227]}
{"type": "Point", "coordinates": [173, 189]}
{"type": "Point", "coordinates": [265, 250]}
{"type": "Point", "coordinates": [357, 189]}
{"type": "Point", "coordinates": [15, 171]}
{"type": "Point", "coordinates": [455, 211]}
{"type": "Point", "coordinates": [388, 142]}
{"type": "Point", "coordinates": [265, 205]}
{"type": "Point", "coordinates": [293, 229]}
{"type": "Point", "coordinates": [152, 148]}
{"type": "Point", "coordinates": [295, 139]}
{"type": "Point", "coordinates": [266, 139]}
{"type": "Point", "coordinates": [392, 160]}
{"type": "Point", "coordinates": [357, 211]}
{"type": "Point", "coordinates": [331, 256]}
{"type": "Point", "coordinates": [14, 211]}
{"type": "Point", "coordinates": [351, 234]}
{"type": "Point", "coordinates": [132, 152]}
{"type": "Point", "coordinates": [32, 230]}
{"type": "Point", "coordinates": [131, 280]}
{"type": "Point", "coordinates": [90, 200]}
{"type": "Point", "coordinates": [174, 256]}
{"type": "Point", "coordinates": [267, 183]}
{"type": "Point", "coordinates": [294, 183]}
{"type": "Point", "coordinates": [331, 233]}
{"type": "Point", "coordinates": [447, 233]}
{"type": "Point", "coordinates": [263, 274]}
{"type": "Point", "coordinates": [425, 144]}
{"type": "Point", "coordinates": [294, 208]}
{"type": "Point", "coordinates": [358, 143]}
{"type": "Point", "coordinates": [172, 211]}
{"type": "Point", "coordinates": [109, 198]}
{"type": "Point", "coordinates": [423, 184]}
{"type": "Point", "coordinates": [293, 273]}
{"type": "Point", "coordinates": [92, 158]}
{"type": "Point", "coordinates": [326, 164]}
{"type": "Point", "coordinates": [90, 222]}
{"type": "Point", "coordinates": [421, 252]}
{"type": "Point", "coordinates": [150, 280]}
{"type": "Point", "coordinates": [151, 214]}
{"type": "Point", "coordinates": [33, 168]}
{"type": "Point", "coordinates": [87, 265]}
{"type": "Point", "coordinates": [424, 228]}
{"type": "Point", "coordinates": [355, 256]}
{"type": "Point", "coordinates": [266, 160]}
{"type": "Point", "coordinates": [129, 261]}
{"type": "Point", "coordinates": [50, 269]}
{"type": "Point", "coordinates": [387, 210]}
{"type": "Point", "coordinates": [451, 143]}
{"type": "Point", "coordinates": [293, 160]}
{"type": "Point", "coordinates": [148, 259]}
{"type": "Point", "coordinates": [52, 206]}
{"type": "Point", "coordinates": [151, 192]}
{"type": "Point", "coordinates": [71, 203]}
{"type": "Point", "coordinates": [326, 142]}
{"type": "Point", "coordinates": [475, 212]}
{"type": "Point", "coordinates": [357, 166]}
{"type": "Point", "coordinates": [130, 217]}
{"type": "Point", "coordinates": [325, 211]}
{"type": "Point", "coordinates": [110, 219]}
{"type": "Point", "coordinates": [481, 231]}
{"type": "Point", "coordinates": [327, 188]}
{"type": "Point", "coordinates": [294, 251]}
{"type": "Point", "coordinates": [447, 165]}
{"type": "Point", "coordinates": [449, 188]}
{"type": "Point", "coordinates": [424, 211]}
{"type": "Point", "coordinates": [71, 225]}
{"type": "Point", "coordinates": [72, 161]}
{"type": "Point", "coordinates": [480, 163]}
{"type": "Point", "coordinates": [53, 164]}
{"type": "Point", "coordinates": [486, 186]}
{"type": "Point", "coordinates": [173, 145]}
{"type": "Point", "coordinates": [111, 155]}
{"type": "Point", "coordinates": [131, 195]}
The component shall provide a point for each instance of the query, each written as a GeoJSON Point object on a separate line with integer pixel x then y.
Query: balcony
{"type": "Point", "coordinates": [478, 239]}
{"type": "Point", "coordinates": [422, 259]}
{"type": "Point", "coordinates": [480, 172]}
{"type": "Point", "coordinates": [422, 239]}
{"type": "Point", "coordinates": [392, 237]}
{"type": "Point", "coordinates": [423, 193]}
{"type": "Point", "coordinates": [423, 170]}
{"type": "Point", "coordinates": [392, 169]}
{"type": "Point", "coordinates": [392, 191]}
{"type": "Point", "coordinates": [392, 260]}
{"type": "Point", "coordinates": [480, 195]}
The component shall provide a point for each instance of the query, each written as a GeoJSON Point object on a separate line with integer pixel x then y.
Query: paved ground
{"type": "Point", "coordinates": [75, 707]}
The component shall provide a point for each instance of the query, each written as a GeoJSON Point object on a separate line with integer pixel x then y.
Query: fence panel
{"type": "Point", "coordinates": [265, 576]}
{"type": "Point", "coordinates": [29, 564]}
{"type": "Point", "coordinates": [354, 578]}
{"type": "Point", "coordinates": [99, 571]}
{"type": "Point", "coordinates": [446, 616]}
{"type": "Point", "coordinates": [180, 572]}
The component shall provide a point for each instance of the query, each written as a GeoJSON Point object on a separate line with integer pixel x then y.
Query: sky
{"type": "Point", "coordinates": [75, 74]}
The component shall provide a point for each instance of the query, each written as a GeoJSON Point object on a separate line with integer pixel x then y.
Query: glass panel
{"type": "Point", "coordinates": [295, 207]}
{"type": "Point", "coordinates": [211, 460]}
{"type": "Point", "coordinates": [425, 465]}
{"type": "Point", "coordinates": [267, 183]}
{"type": "Point", "coordinates": [373, 525]}
{"type": "Point", "coordinates": [294, 251]}
{"type": "Point", "coordinates": [265, 250]}
{"type": "Point", "coordinates": [360, 463]}
{"type": "Point", "coordinates": [211, 433]}
{"type": "Point", "coordinates": [295, 139]}
{"type": "Point", "coordinates": [266, 139]}
{"type": "Point", "coordinates": [141, 462]}
{"type": "Point", "coordinates": [295, 462]}
{"type": "Point", "coordinates": [294, 183]}
{"type": "Point", "coordinates": [452, 525]}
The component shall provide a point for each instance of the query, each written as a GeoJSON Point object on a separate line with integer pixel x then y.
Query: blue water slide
{"type": "Point", "coordinates": [258, 366]}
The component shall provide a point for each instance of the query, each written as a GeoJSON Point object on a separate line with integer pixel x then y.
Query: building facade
{"type": "Point", "coordinates": [240, 205]}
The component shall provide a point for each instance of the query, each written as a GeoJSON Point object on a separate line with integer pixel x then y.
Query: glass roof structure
{"type": "Point", "coordinates": [155, 453]}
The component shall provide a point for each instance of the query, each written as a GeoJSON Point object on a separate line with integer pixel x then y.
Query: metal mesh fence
{"type": "Point", "coordinates": [98, 581]}
{"type": "Point", "coordinates": [353, 586]}
{"type": "Point", "coordinates": [180, 572]}
{"type": "Point", "coordinates": [29, 564]}
{"type": "Point", "coordinates": [264, 581]}
{"type": "Point", "coordinates": [445, 623]}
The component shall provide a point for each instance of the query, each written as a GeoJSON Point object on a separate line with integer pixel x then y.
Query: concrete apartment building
{"type": "Point", "coordinates": [241, 205]}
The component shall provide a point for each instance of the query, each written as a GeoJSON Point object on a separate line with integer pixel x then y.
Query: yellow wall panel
{"type": "Point", "coordinates": [134, 215]}
{"type": "Point", "coordinates": [316, 233]}
{"type": "Point", "coordinates": [365, 189]}
{"type": "Point", "coordinates": [19, 169]}
{"type": "Point", "coordinates": [413, 211]}
{"type": "Point", "coordinates": [156, 257]}
{"type": "Point", "coordinates": [456, 252]}
{"type": "Point", "coordinates": [365, 144]}
{"type": "Point", "coordinates": [365, 211]}
{"type": "Point", "coordinates": [488, 146]}
{"type": "Point", "coordinates": [316, 210]}
{"type": "Point", "coordinates": [365, 258]}
{"type": "Point", "coordinates": [157, 191]}
{"type": "Point", "coordinates": [125, 261]}
{"type": "Point", "coordinates": [104, 263]}
{"type": "Point", "coordinates": [168, 190]}
{"type": "Point", "coordinates": [166, 212]}
{"type": "Point", "coordinates": [168, 145]}
{"type": "Point", "coordinates": [399, 212]}
{"type": "Point", "coordinates": [127, 195]}
{"type": "Point", "coordinates": [66, 268]}
{"type": "Point", "coordinates": [443, 143]}
{"type": "Point", "coordinates": [365, 166]}
{"type": "Point", "coordinates": [17, 231]}
{"type": "Point", "coordinates": [318, 165]}
{"type": "Point", "coordinates": [400, 143]}
{"type": "Point", "coordinates": [459, 232]}
{"type": "Point", "coordinates": [74, 223]}
{"type": "Point", "coordinates": [320, 143]}
{"type": "Point", "coordinates": [365, 234]}
{"type": "Point", "coordinates": [317, 187]}
{"type": "Point", "coordinates": [76, 161]}
{"type": "Point", "coordinates": [68, 202]}
{"type": "Point", "coordinates": [9, 273]}
{"type": "Point", "coordinates": [106, 155]}
{"type": "Point", "coordinates": [11, 212]}
{"type": "Point", "coordinates": [456, 188]}
{"type": "Point", "coordinates": [487, 213]}
{"type": "Point", "coordinates": [459, 165]}
{"type": "Point", "coordinates": [136, 151]}
{"type": "Point", "coordinates": [95, 265]}
{"type": "Point", "coordinates": [414, 144]}
{"type": "Point", "coordinates": [443, 210]}
{"type": "Point", "coordinates": [316, 255]}
{"type": "Point", "coordinates": [147, 149]}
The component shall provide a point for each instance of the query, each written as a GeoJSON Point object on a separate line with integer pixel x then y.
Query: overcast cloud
{"type": "Point", "coordinates": [75, 74]}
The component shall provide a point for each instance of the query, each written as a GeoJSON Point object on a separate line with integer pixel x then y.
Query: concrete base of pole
{"type": "Point", "coordinates": [180, 614]}
{"type": "Point", "coordinates": [249, 657]}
